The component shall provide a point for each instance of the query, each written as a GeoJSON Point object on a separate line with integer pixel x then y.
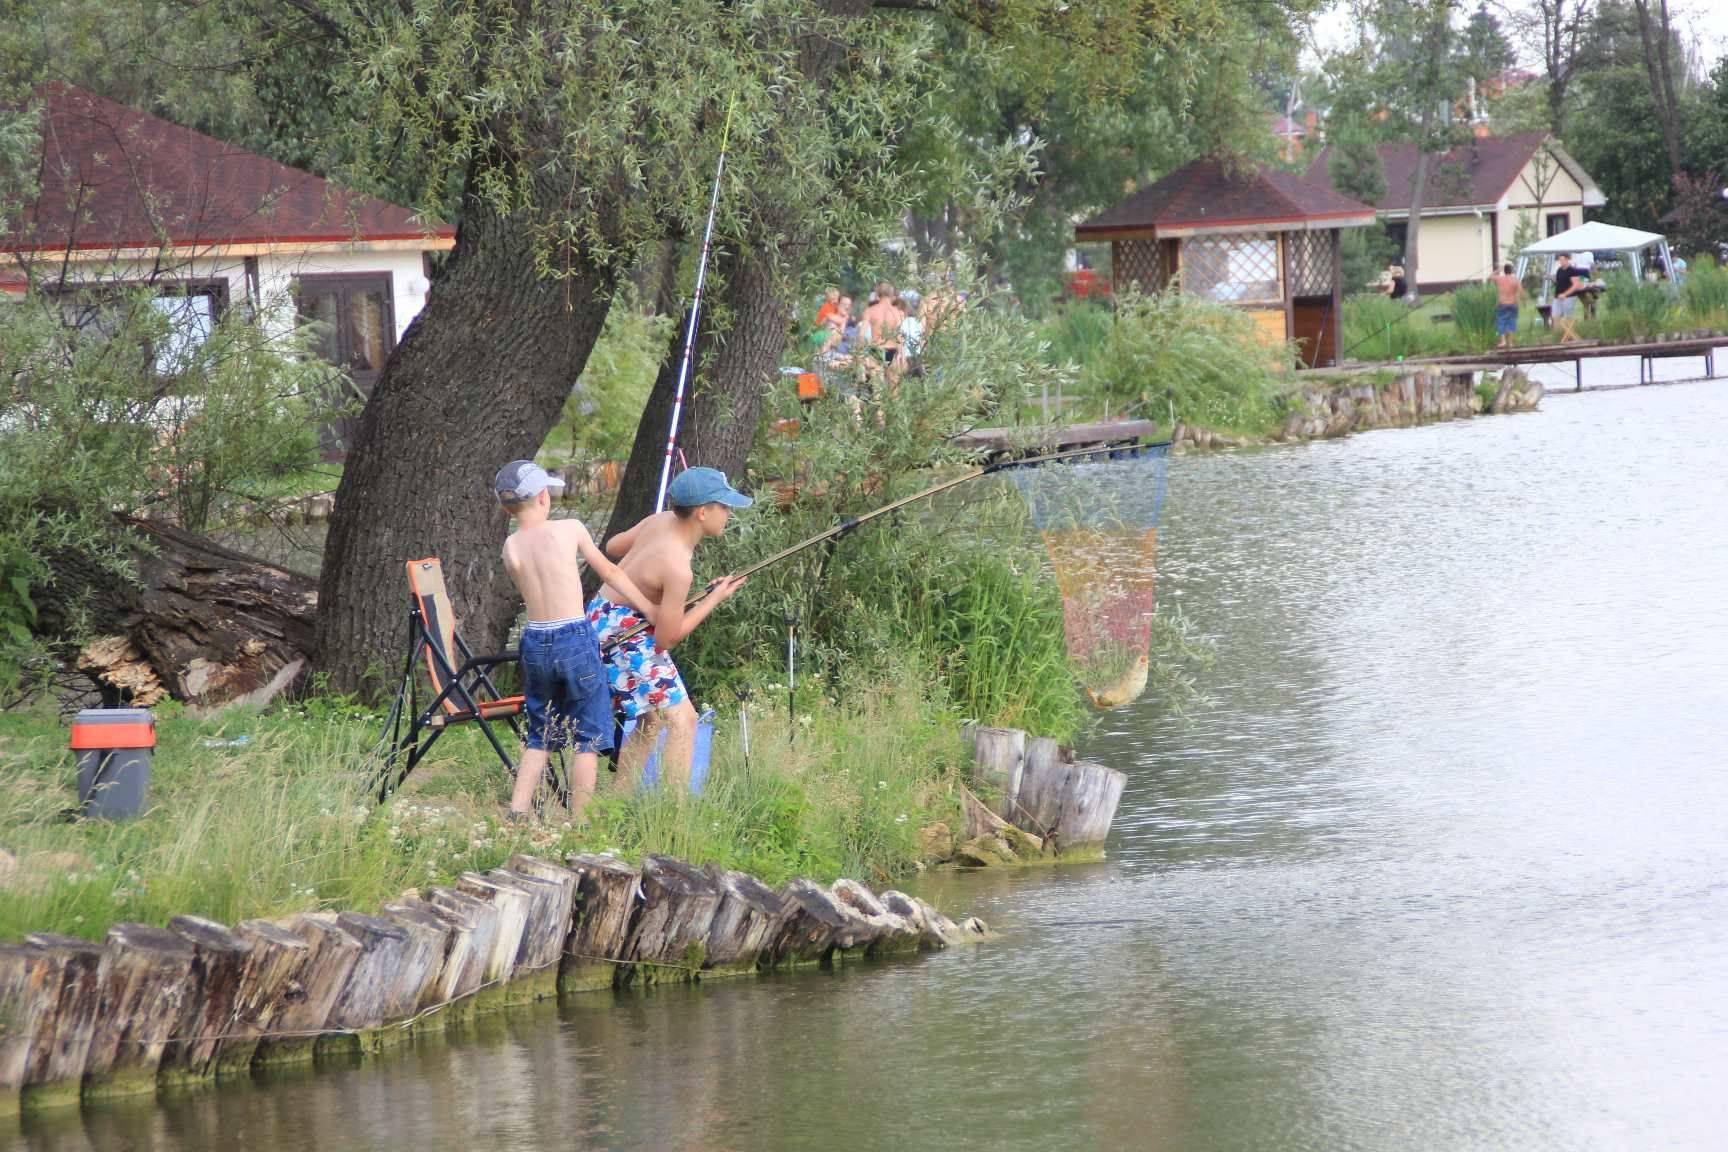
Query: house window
{"type": "Point", "coordinates": [353, 323]}
{"type": "Point", "coordinates": [1559, 222]}
{"type": "Point", "coordinates": [1234, 269]}
{"type": "Point", "coordinates": [189, 308]}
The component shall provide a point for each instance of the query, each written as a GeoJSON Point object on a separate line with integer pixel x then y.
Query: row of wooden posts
{"type": "Point", "coordinates": [1035, 784]}
{"type": "Point", "coordinates": [196, 1001]}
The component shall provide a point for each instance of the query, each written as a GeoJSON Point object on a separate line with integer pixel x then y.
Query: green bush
{"type": "Point", "coordinates": [1705, 291]}
{"type": "Point", "coordinates": [1634, 309]}
{"type": "Point", "coordinates": [1078, 332]}
{"type": "Point", "coordinates": [1473, 308]}
{"type": "Point", "coordinates": [1377, 327]}
{"type": "Point", "coordinates": [1180, 358]}
{"type": "Point", "coordinates": [600, 417]}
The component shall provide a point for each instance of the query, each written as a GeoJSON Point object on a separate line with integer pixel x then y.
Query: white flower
{"type": "Point", "coordinates": [900, 819]}
{"type": "Point", "coordinates": [881, 785]}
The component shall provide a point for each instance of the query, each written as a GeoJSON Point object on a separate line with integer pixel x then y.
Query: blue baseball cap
{"type": "Point", "coordinates": [695, 487]}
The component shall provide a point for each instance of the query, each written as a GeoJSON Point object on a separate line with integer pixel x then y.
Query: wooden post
{"type": "Point", "coordinates": [417, 984]}
{"type": "Point", "coordinates": [372, 986]}
{"type": "Point", "coordinates": [473, 927]}
{"type": "Point", "coordinates": [309, 1000]}
{"type": "Point", "coordinates": [1043, 784]}
{"type": "Point", "coordinates": [275, 963]}
{"type": "Point", "coordinates": [1090, 804]}
{"type": "Point", "coordinates": [513, 904]}
{"type": "Point", "coordinates": [670, 938]}
{"type": "Point", "coordinates": [749, 916]}
{"type": "Point", "coordinates": [69, 993]}
{"type": "Point", "coordinates": [894, 931]}
{"type": "Point", "coordinates": [218, 956]}
{"type": "Point", "coordinates": [817, 926]}
{"type": "Point", "coordinates": [997, 758]}
{"type": "Point", "coordinates": [608, 894]}
{"type": "Point", "coordinates": [535, 975]}
{"type": "Point", "coordinates": [549, 947]}
{"type": "Point", "coordinates": [145, 975]}
{"type": "Point", "coordinates": [23, 998]}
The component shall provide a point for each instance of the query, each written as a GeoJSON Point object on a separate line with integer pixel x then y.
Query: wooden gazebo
{"type": "Point", "coordinates": [1259, 239]}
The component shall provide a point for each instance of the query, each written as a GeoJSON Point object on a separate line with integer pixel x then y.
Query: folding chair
{"type": "Point", "coordinates": [460, 693]}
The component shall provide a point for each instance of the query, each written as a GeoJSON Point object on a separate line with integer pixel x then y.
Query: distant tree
{"type": "Point", "coordinates": [1700, 215]}
{"type": "Point", "coordinates": [1417, 61]}
{"type": "Point", "coordinates": [1484, 52]}
{"type": "Point", "coordinates": [1354, 167]}
{"type": "Point", "coordinates": [1657, 33]}
{"type": "Point", "coordinates": [1707, 130]}
{"type": "Point", "coordinates": [1553, 32]}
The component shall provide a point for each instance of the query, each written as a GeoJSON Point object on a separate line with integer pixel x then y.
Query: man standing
{"type": "Point", "coordinates": [882, 318]}
{"type": "Point", "coordinates": [1568, 282]}
{"type": "Point", "coordinates": [1506, 314]}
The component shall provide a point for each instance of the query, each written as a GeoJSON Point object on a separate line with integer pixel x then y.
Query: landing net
{"type": "Point", "coordinates": [1099, 519]}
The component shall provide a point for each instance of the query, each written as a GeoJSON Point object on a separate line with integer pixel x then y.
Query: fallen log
{"type": "Point", "coordinates": [218, 957]}
{"type": "Point", "coordinates": [670, 938]}
{"type": "Point", "coordinates": [608, 895]}
{"type": "Point", "coordinates": [145, 976]}
{"type": "Point", "coordinates": [309, 1000]}
{"type": "Point", "coordinates": [749, 916]}
{"type": "Point", "coordinates": [816, 926]}
{"type": "Point", "coordinates": [203, 623]}
{"type": "Point", "coordinates": [275, 962]}
{"type": "Point", "coordinates": [69, 994]}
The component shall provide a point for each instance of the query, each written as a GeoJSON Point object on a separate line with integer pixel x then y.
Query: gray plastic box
{"type": "Point", "coordinates": [114, 747]}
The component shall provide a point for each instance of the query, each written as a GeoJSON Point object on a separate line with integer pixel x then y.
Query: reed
{"type": "Point", "coordinates": [1473, 309]}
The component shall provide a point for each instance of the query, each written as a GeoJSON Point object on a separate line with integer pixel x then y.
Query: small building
{"type": "Point", "coordinates": [1260, 239]}
{"type": "Point", "coordinates": [1477, 196]}
{"type": "Point", "coordinates": [129, 199]}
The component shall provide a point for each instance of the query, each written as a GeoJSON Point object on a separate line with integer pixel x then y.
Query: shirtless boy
{"type": "Point", "coordinates": [568, 704]}
{"type": "Point", "coordinates": [656, 553]}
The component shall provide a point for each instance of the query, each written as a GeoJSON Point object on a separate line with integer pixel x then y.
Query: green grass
{"type": "Point", "coordinates": [281, 824]}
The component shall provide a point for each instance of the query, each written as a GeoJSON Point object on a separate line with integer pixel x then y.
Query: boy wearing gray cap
{"type": "Point", "coordinates": [657, 553]}
{"type": "Point", "coordinates": [566, 700]}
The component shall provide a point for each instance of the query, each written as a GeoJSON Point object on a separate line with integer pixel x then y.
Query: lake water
{"type": "Point", "coordinates": [1443, 863]}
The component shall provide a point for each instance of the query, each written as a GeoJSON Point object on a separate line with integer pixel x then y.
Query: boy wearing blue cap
{"type": "Point", "coordinates": [567, 703]}
{"type": "Point", "coordinates": [657, 554]}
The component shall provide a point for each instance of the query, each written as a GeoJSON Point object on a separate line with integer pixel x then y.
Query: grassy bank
{"type": "Point", "coordinates": [280, 823]}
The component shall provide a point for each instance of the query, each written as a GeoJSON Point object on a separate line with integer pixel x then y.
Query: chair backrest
{"type": "Point", "coordinates": [438, 617]}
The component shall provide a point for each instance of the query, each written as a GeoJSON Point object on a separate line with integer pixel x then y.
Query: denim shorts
{"type": "Point", "coordinates": [1506, 320]}
{"type": "Point", "coordinates": [567, 701]}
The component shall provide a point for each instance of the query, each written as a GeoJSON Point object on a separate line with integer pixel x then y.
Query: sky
{"type": "Point", "coordinates": [1705, 19]}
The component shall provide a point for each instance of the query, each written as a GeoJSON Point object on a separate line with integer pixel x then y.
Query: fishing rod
{"type": "Point", "coordinates": [695, 312]}
{"type": "Point", "coordinates": [851, 524]}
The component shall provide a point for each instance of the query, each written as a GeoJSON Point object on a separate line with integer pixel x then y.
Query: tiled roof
{"type": "Point", "coordinates": [1205, 194]}
{"type": "Point", "coordinates": [114, 177]}
{"type": "Point", "coordinates": [1471, 175]}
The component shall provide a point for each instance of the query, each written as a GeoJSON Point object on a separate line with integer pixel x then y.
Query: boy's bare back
{"type": "Point", "coordinates": [659, 557]}
{"type": "Point", "coordinates": [545, 561]}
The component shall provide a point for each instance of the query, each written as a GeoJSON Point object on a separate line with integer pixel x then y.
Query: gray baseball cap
{"type": "Point", "coordinates": [522, 480]}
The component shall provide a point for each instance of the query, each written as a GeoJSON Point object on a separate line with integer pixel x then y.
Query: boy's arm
{"type": "Point", "coordinates": [676, 621]}
{"type": "Point", "coordinates": [620, 545]}
{"type": "Point", "coordinates": [610, 572]}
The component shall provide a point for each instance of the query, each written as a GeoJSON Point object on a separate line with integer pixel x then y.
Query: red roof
{"type": "Point", "coordinates": [1206, 195]}
{"type": "Point", "coordinates": [1469, 176]}
{"type": "Point", "coordinates": [114, 177]}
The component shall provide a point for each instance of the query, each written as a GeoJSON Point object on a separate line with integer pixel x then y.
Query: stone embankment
{"type": "Point", "coordinates": [1328, 406]}
{"type": "Point", "coordinates": [197, 1001]}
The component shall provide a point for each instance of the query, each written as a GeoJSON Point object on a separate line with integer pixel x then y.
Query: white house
{"type": "Point", "coordinates": [1478, 195]}
{"type": "Point", "coordinates": [129, 198]}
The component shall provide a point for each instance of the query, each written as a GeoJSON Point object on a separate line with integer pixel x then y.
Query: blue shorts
{"type": "Point", "coordinates": [567, 702]}
{"type": "Point", "coordinates": [1506, 320]}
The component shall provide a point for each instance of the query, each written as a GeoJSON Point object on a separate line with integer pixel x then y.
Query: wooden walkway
{"type": "Point", "coordinates": [1056, 437]}
{"type": "Point", "coordinates": [1577, 353]}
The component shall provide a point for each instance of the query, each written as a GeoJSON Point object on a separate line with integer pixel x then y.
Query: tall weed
{"type": "Point", "coordinates": [1634, 309]}
{"type": "Point", "coordinates": [1473, 310]}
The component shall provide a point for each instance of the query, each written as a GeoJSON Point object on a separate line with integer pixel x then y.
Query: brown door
{"type": "Point", "coordinates": [355, 329]}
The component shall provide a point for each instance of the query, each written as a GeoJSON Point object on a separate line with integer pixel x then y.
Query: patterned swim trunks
{"type": "Point", "coordinates": [640, 672]}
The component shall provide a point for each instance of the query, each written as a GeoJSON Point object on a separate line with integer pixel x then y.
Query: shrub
{"type": "Point", "coordinates": [599, 418]}
{"type": "Point", "coordinates": [1379, 328]}
{"type": "Point", "coordinates": [1635, 309]}
{"type": "Point", "coordinates": [1705, 291]}
{"type": "Point", "coordinates": [1181, 358]}
{"type": "Point", "coordinates": [1473, 308]}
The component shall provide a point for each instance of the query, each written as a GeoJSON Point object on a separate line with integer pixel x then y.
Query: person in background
{"type": "Point", "coordinates": [1510, 290]}
{"type": "Point", "coordinates": [1568, 282]}
{"type": "Point", "coordinates": [911, 334]}
{"type": "Point", "coordinates": [830, 305]}
{"type": "Point", "coordinates": [882, 323]}
{"type": "Point", "coordinates": [1395, 285]}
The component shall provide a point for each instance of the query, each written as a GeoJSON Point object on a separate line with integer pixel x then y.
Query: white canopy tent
{"type": "Point", "coordinates": [1639, 250]}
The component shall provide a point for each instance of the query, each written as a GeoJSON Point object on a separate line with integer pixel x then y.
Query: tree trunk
{"type": "Point", "coordinates": [478, 380]}
{"type": "Point", "coordinates": [1655, 41]}
{"type": "Point", "coordinates": [203, 624]}
{"type": "Point", "coordinates": [724, 400]}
